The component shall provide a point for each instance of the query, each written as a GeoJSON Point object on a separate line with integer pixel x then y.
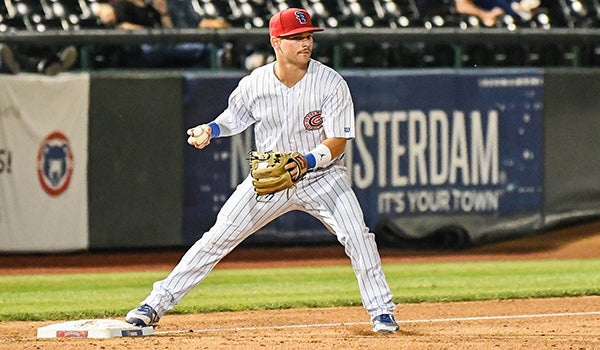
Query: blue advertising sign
{"type": "Point", "coordinates": [434, 142]}
{"type": "Point", "coordinates": [209, 175]}
{"type": "Point", "coordinates": [447, 142]}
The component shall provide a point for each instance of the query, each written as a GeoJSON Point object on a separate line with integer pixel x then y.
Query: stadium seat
{"type": "Point", "coordinates": [440, 14]}
{"type": "Point", "coordinates": [398, 16]}
{"type": "Point", "coordinates": [42, 24]}
{"type": "Point", "coordinates": [32, 7]}
{"type": "Point", "coordinates": [329, 13]}
{"type": "Point", "coordinates": [4, 10]}
{"type": "Point", "coordinates": [14, 23]}
{"type": "Point", "coordinates": [79, 23]}
{"type": "Point", "coordinates": [542, 19]}
{"type": "Point", "coordinates": [254, 13]}
{"type": "Point", "coordinates": [283, 4]}
{"type": "Point", "coordinates": [579, 13]}
{"type": "Point", "coordinates": [66, 8]}
{"type": "Point", "coordinates": [216, 8]}
{"type": "Point", "coordinates": [366, 13]}
{"type": "Point", "coordinates": [77, 13]}
{"type": "Point", "coordinates": [40, 15]}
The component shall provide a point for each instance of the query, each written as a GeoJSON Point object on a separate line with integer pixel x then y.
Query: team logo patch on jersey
{"type": "Point", "coordinates": [313, 120]}
{"type": "Point", "coordinates": [301, 17]}
{"type": "Point", "coordinates": [55, 163]}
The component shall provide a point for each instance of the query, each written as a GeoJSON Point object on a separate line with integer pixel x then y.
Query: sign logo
{"type": "Point", "coordinates": [55, 164]}
{"type": "Point", "coordinates": [313, 120]}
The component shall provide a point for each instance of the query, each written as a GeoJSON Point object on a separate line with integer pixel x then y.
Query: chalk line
{"type": "Point", "coordinates": [432, 320]}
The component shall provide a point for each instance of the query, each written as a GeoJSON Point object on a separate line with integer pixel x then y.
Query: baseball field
{"type": "Point", "coordinates": [537, 292]}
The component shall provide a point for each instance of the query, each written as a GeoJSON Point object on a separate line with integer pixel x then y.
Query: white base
{"type": "Point", "coordinates": [98, 328]}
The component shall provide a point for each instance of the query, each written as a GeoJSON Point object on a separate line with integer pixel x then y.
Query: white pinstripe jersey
{"type": "Point", "coordinates": [286, 119]}
{"type": "Point", "coordinates": [319, 106]}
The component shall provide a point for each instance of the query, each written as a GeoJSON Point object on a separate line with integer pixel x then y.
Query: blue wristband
{"type": "Point", "coordinates": [311, 160]}
{"type": "Point", "coordinates": [215, 131]}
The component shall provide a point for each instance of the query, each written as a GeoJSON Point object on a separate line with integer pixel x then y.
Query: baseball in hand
{"type": "Point", "coordinates": [198, 137]}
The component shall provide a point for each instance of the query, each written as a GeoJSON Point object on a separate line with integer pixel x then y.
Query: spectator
{"type": "Point", "coordinates": [136, 15]}
{"type": "Point", "coordinates": [489, 10]}
{"type": "Point", "coordinates": [131, 15]}
{"type": "Point", "coordinates": [16, 59]}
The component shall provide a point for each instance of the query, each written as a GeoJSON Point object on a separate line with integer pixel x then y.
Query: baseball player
{"type": "Point", "coordinates": [295, 104]}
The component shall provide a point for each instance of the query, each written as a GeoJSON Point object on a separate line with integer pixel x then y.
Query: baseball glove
{"type": "Point", "coordinates": [270, 173]}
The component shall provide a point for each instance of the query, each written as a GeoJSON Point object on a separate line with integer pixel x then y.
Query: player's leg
{"type": "Point", "coordinates": [330, 199]}
{"type": "Point", "coordinates": [242, 215]}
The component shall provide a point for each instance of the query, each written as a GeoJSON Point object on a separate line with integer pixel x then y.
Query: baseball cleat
{"type": "Point", "coordinates": [385, 323]}
{"type": "Point", "coordinates": [8, 63]}
{"type": "Point", "coordinates": [143, 316]}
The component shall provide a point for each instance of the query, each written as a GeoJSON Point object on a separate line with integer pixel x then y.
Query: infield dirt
{"type": "Point", "coordinates": [553, 323]}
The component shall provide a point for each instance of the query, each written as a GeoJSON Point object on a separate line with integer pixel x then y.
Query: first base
{"type": "Point", "coordinates": [98, 328]}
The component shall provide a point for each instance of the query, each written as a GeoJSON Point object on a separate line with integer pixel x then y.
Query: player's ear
{"type": "Point", "coordinates": [275, 42]}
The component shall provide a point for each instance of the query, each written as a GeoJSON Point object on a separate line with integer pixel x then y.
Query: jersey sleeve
{"type": "Point", "coordinates": [236, 117]}
{"type": "Point", "coordinates": [338, 112]}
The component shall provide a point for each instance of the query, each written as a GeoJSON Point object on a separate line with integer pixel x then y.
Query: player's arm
{"type": "Point", "coordinates": [336, 146]}
{"type": "Point", "coordinates": [233, 120]}
{"type": "Point", "coordinates": [322, 155]}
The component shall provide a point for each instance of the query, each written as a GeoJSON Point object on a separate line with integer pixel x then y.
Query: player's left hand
{"type": "Point", "coordinates": [276, 171]}
{"type": "Point", "coordinates": [297, 166]}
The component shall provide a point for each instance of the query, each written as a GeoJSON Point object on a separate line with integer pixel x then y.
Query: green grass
{"type": "Point", "coordinates": [98, 295]}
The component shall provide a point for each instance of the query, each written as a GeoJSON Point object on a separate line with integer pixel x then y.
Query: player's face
{"type": "Point", "coordinates": [295, 48]}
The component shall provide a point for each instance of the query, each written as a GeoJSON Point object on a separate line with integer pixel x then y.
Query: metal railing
{"type": "Point", "coordinates": [574, 39]}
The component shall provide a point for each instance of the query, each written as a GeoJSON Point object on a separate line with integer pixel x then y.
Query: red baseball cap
{"type": "Point", "coordinates": [291, 21]}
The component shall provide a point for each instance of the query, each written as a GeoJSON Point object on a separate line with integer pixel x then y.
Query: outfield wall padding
{"type": "Point", "coordinates": [141, 197]}
{"type": "Point", "coordinates": [572, 145]}
{"type": "Point", "coordinates": [135, 166]}
{"type": "Point", "coordinates": [148, 189]}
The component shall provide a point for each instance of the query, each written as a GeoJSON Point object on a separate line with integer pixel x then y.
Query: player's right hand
{"type": "Point", "coordinates": [199, 136]}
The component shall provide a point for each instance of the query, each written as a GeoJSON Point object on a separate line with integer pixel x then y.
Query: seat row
{"type": "Point", "coordinates": [40, 15]}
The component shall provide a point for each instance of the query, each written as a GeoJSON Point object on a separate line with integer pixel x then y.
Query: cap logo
{"type": "Point", "coordinates": [301, 17]}
{"type": "Point", "coordinates": [291, 21]}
